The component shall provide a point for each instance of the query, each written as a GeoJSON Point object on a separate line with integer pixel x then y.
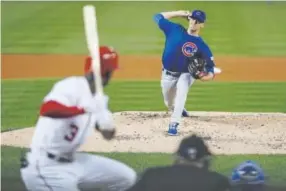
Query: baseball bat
{"type": "Point", "coordinates": [91, 34]}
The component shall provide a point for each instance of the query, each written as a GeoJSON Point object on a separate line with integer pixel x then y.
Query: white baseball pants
{"type": "Point", "coordinates": [86, 172]}
{"type": "Point", "coordinates": [175, 90]}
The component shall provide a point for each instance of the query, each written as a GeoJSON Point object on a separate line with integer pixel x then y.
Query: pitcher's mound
{"type": "Point", "coordinates": [225, 133]}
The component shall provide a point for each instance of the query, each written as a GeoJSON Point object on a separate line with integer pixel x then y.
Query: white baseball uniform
{"type": "Point", "coordinates": [175, 91]}
{"type": "Point", "coordinates": [60, 138]}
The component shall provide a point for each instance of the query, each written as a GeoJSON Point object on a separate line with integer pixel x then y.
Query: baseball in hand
{"type": "Point", "coordinates": [217, 70]}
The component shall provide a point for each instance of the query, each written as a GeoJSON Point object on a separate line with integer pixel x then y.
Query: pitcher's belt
{"type": "Point", "coordinates": [173, 74]}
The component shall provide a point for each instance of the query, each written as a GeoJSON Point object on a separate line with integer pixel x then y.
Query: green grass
{"type": "Point", "coordinates": [140, 161]}
{"type": "Point", "coordinates": [232, 28]}
{"type": "Point", "coordinates": [21, 98]}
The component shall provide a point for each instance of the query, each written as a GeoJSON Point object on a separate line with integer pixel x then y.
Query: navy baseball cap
{"type": "Point", "coordinates": [198, 15]}
{"type": "Point", "coordinates": [193, 148]}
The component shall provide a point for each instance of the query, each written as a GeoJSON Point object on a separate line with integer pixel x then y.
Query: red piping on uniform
{"type": "Point", "coordinates": [57, 110]}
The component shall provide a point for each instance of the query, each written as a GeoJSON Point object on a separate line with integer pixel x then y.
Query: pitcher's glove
{"type": "Point", "coordinates": [197, 67]}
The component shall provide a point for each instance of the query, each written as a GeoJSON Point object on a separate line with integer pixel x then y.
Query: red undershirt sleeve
{"type": "Point", "coordinates": [55, 109]}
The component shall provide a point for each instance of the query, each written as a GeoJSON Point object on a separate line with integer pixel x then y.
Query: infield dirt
{"type": "Point", "coordinates": [226, 133]}
{"type": "Point", "coordinates": [139, 67]}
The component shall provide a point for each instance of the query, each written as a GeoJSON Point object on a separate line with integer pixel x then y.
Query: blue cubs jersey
{"type": "Point", "coordinates": [180, 47]}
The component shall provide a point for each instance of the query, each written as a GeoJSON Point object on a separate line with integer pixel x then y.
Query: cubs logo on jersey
{"type": "Point", "coordinates": [189, 49]}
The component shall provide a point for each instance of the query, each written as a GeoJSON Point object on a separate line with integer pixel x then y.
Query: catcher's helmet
{"type": "Point", "coordinates": [108, 62]}
{"type": "Point", "coordinates": [248, 176]}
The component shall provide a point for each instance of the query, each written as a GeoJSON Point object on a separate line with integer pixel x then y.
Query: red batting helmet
{"type": "Point", "coordinates": [108, 61]}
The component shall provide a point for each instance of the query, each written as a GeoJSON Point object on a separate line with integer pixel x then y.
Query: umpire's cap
{"type": "Point", "coordinates": [193, 148]}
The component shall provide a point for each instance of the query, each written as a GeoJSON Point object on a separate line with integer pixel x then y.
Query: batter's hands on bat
{"type": "Point", "coordinates": [105, 124]}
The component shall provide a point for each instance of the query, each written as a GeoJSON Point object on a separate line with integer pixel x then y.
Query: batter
{"type": "Point", "coordinates": [69, 113]}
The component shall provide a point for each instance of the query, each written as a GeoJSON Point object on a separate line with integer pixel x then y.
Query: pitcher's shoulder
{"type": "Point", "coordinates": [181, 28]}
{"type": "Point", "coordinates": [205, 44]}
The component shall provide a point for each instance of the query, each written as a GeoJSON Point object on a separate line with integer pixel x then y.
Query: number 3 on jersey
{"type": "Point", "coordinates": [72, 132]}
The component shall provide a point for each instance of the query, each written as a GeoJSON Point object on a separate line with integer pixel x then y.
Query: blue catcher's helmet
{"type": "Point", "coordinates": [248, 176]}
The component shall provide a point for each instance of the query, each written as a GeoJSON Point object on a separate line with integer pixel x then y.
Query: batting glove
{"type": "Point", "coordinates": [105, 124]}
{"type": "Point", "coordinates": [105, 121]}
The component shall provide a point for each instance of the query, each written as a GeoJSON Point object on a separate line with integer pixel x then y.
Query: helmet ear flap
{"type": "Point", "coordinates": [87, 65]}
{"type": "Point", "coordinates": [261, 177]}
{"type": "Point", "coordinates": [106, 78]}
{"type": "Point", "coordinates": [235, 176]}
